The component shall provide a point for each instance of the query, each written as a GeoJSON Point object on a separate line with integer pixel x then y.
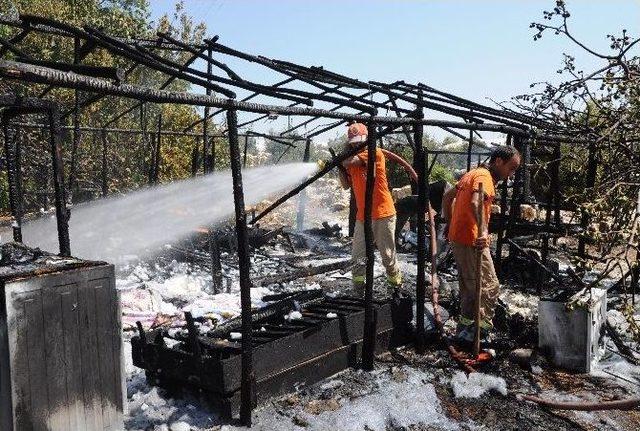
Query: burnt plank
{"type": "Point", "coordinates": [105, 349]}
{"type": "Point", "coordinates": [17, 323]}
{"type": "Point", "coordinates": [73, 365]}
{"type": "Point", "coordinates": [56, 371]}
{"type": "Point", "coordinates": [90, 359]}
{"type": "Point", "coordinates": [37, 361]}
{"type": "Point", "coordinates": [303, 345]}
{"type": "Point", "coordinates": [115, 325]}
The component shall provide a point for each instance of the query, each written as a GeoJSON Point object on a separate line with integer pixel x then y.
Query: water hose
{"type": "Point", "coordinates": [629, 404]}
{"type": "Point", "coordinates": [402, 162]}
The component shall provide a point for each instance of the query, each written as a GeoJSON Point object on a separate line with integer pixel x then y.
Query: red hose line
{"type": "Point", "coordinates": [629, 404]}
{"type": "Point", "coordinates": [402, 162]}
{"type": "Point", "coordinates": [435, 284]}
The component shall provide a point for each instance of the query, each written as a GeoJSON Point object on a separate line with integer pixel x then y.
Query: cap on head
{"type": "Point", "coordinates": [356, 133]}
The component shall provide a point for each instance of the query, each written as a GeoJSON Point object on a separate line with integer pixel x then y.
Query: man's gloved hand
{"type": "Point", "coordinates": [321, 164]}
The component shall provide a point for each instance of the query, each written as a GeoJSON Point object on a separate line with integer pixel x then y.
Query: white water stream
{"type": "Point", "coordinates": [111, 228]}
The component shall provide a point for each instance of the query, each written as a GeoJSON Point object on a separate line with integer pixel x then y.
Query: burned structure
{"type": "Point", "coordinates": [311, 94]}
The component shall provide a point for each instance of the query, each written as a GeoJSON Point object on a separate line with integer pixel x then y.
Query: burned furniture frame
{"type": "Point", "coordinates": [12, 107]}
{"type": "Point", "coordinates": [349, 100]}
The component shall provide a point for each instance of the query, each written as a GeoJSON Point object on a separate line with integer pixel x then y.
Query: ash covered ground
{"type": "Point", "coordinates": [406, 391]}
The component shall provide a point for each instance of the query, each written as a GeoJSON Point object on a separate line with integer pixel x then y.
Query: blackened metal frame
{"type": "Point", "coordinates": [344, 93]}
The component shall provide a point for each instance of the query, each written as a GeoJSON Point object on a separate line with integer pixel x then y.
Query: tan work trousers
{"type": "Point", "coordinates": [383, 236]}
{"type": "Point", "coordinates": [466, 261]}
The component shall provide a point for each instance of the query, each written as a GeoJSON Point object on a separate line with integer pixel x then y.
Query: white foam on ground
{"type": "Point", "coordinates": [396, 405]}
{"type": "Point", "coordinates": [476, 384]}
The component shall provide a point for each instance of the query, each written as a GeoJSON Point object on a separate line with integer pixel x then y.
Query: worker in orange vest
{"type": "Point", "coordinates": [383, 212]}
{"type": "Point", "coordinates": [461, 206]}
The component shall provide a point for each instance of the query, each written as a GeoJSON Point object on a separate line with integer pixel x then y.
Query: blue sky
{"type": "Point", "coordinates": [476, 49]}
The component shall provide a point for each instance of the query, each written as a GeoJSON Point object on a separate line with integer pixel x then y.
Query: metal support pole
{"type": "Point", "coordinates": [246, 147]}
{"type": "Point", "coordinates": [157, 152]}
{"type": "Point", "coordinates": [76, 123]}
{"type": "Point", "coordinates": [516, 198]}
{"type": "Point", "coordinates": [422, 246]}
{"type": "Point", "coordinates": [246, 389]}
{"type": "Point", "coordinates": [14, 174]}
{"type": "Point", "coordinates": [303, 194]}
{"type": "Point", "coordinates": [469, 150]}
{"type": "Point", "coordinates": [62, 213]}
{"type": "Point", "coordinates": [206, 147]}
{"type": "Point", "coordinates": [369, 338]}
{"type": "Point", "coordinates": [503, 215]}
{"type": "Point", "coordinates": [216, 265]}
{"type": "Point", "coordinates": [195, 158]}
{"type": "Point", "coordinates": [105, 185]}
{"type": "Point", "coordinates": [213, 154]}
{"type": "Point", "coordinates": [206, 144]}
{"type": "Point", "coordinates": [526, 169]}
{"type": "Point", "coordinates": [152, 158]}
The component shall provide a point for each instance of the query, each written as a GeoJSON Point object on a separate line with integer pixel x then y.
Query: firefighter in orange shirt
{"type": "Point", "coordinates": [460, 207]}
{"type": "Point", "coordinates": [383, 213]}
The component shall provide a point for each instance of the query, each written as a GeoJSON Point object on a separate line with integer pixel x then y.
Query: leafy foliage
{"type": "Point", "coordinates": [602, 105]}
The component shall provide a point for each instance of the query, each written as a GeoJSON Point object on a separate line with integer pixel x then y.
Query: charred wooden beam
{"type": "Point", "coordinates": [207, 160]}
{"type": "Point", "coordinates": [216, 264]}
{"type": "Point", "coordinates": [14, 175]}
{"type": "Point", "coordinates": [300, 273]}
{"type": "Point", "coordinates": [369, 338]}
{"type": "Point", "coordinates": [62, 213]}
{"type": "Point", "coordinates": [76, 122]}
{"type": "Point", "coordinates": [36, 74]}
{"type": "Point", "coordinates": [248, 377]}
{"type": "Point", "coordinates": [157, 153]}
{"type": "Point", "coordinates": [503, 214]}
{"type": "Point", "coordinates": [104, 165]}
{"type": "Point", "coordinates": [422, 247]}
{"type": "Point", "coordinates": [105, 72]}
{"type": "Point", "coordinates": [303, 195]}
